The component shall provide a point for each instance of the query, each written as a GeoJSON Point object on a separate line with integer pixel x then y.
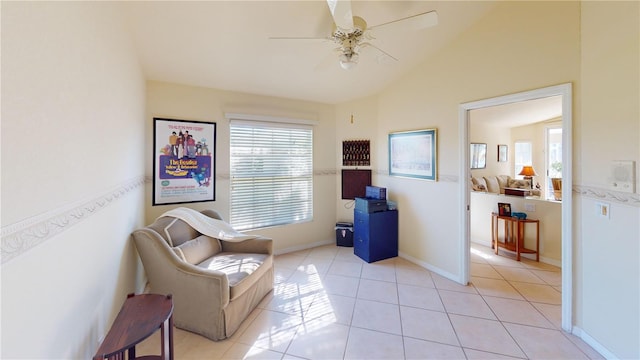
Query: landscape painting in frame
{"type": "Point", "coordinates": [413, 154]}
{"type": "Point", "coordinates": [183, 161]}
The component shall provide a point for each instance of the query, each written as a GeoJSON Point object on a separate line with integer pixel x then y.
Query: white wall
{"type": "Point", "coordinates": [492, 136]}
{"type": "Point", "coordinates": [72, 132]}
{"type": "Point", "coordinates": [608, 250]}
{"type": "Point", "coordinates": [202, 104]}
{"type": "Point", "coordinates": [508, 42]}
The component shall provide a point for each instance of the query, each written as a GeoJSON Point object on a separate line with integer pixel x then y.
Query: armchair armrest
{"type": "Point", "coordinates": [212, 285]}
{"type": "Point", "coordinates": [259, 245]}
{"type": "Point", "coordinates": [169, 274]}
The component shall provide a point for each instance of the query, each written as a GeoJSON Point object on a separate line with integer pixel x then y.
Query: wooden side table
{"type": "Point", "coordinates": [139, 317]}
{"type": "Point", "coordinates": [514, 235]}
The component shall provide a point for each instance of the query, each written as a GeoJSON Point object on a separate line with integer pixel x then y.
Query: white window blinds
{"type": "Point", "coordinates": [271, 174]}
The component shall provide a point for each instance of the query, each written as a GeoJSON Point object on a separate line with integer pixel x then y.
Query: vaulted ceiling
{"type": "Point", "coordinates": [226, 44]}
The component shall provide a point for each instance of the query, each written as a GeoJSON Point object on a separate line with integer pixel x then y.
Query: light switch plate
{"type": "Point", "coordinates": [602, 210]}
{"type": "Point", "coordinates": [529, 207]}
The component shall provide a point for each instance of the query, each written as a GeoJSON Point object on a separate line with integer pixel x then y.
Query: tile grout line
{"type": "Point", "coordinates": [395, 276]}
{"type": "Point", "coordinates": [450, 322]}
{"type": "Point", "coordinates": [521, 294]}
{"type": "Point", "coordinates": [534, 307]}
{"type": "Point", "coordinates": [504, 327]}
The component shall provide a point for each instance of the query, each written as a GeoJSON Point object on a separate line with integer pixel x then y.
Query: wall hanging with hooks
{"type": "Point", "coordinates": [356, 153]}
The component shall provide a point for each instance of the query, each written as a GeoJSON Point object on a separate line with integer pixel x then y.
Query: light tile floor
{"type": "Point", "coordinates": [329, 304]}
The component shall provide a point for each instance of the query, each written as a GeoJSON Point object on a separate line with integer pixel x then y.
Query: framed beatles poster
{"type": "Point", "coordinates": [184, 161]}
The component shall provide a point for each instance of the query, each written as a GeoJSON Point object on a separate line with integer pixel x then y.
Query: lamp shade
{"type": "Point", "coordinates": [528, 171]}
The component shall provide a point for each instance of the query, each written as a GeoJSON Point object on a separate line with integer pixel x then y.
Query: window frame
{"type": "Point", "coordinates": [549, 195]}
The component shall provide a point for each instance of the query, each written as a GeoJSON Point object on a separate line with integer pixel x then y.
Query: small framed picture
{"type": "Point", "coordinates": [502, 153]}
{"type": "Point", "coordinates": [478, 155]}
{"type": "Point", "coordinates": [504, 209]}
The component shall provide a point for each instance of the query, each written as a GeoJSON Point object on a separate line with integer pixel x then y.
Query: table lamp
{"type": "Point", "coordinates": [528, 172]}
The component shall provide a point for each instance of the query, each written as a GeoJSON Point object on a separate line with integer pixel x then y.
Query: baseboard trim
{"type": "Point", "coordinates": [303, 247]}
{"type": "Point", "coordinates": [593, 343]}
{"type": "Point", "coordinates": [431, 268]}
{"type": "Point", "coordinates": [20, 237]}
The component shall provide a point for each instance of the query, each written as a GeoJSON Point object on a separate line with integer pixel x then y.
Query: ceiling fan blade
{"type": "Point", "coordinates": [385, 55]}
{"type": "Point", "coordinates": [299, 38]}
{"type": "Point", "coordinates": [342, 14]}
{"type": "Point", "coordinates": [414, 22]}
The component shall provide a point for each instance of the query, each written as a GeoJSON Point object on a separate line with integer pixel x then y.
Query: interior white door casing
{"type": "Point", "coordinates": [564, 90]}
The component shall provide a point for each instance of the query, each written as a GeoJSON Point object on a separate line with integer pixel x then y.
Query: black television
{"type": "Point", "coordinates": [354, 183]}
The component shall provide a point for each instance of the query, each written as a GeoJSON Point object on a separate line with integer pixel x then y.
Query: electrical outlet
{"type": "Point", "coordinates": [602, 210]}
{"type": "Point", "coordinates": [529, 207]}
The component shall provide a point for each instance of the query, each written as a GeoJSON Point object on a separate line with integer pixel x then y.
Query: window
{"type": "Point", "coordinates": [523, 156]}
{"type": "Point", "coordinates": [271, 174]}
{"type": "Point", "coordinates": [554, 159]}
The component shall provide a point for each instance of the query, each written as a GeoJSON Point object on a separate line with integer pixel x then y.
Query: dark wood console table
{"type": "Point", "coordinates": [514, 235]}
{"type": "Point", "coordinates": [139, 317]}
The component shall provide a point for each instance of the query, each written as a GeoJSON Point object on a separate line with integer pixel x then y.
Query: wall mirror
{"type": "Point", "coordinates": [478, 156]}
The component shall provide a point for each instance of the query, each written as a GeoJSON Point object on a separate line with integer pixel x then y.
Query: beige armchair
{"type": "Point", "coordinates": [215, 284]}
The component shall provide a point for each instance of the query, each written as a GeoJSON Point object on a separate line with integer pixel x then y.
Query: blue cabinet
{"type": "Point", "coordinates": [375, 235]}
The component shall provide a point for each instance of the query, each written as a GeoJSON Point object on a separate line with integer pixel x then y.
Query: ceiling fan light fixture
{"type": "Point", "coordinates": [349, 61]}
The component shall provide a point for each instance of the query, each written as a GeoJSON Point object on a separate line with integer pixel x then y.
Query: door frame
{"type": "Point", "coordinates": [564, 90]}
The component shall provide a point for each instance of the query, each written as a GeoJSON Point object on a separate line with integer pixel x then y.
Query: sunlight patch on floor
{"type": "Point", "coordinates": [481, 254]}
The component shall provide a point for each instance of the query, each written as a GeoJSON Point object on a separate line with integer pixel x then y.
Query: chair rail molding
{"type": "Point", "coordinates": [606, 194]}
{"type": "Point", "coordinates": [22, 236]}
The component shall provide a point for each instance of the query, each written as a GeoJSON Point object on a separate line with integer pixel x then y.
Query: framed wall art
{"type": "Point", "coordinates": [414, 154]}
{"type": "Point", "coordinates": [184, 161]}
{"type": "Point", "coordinates": [478, 156]}
{"type": "Point", "coordinates": [504, 209]}
{"type": "Point", "coordinates": [502, 153]}
{"type": "Point", "coordinates": [356, 153]}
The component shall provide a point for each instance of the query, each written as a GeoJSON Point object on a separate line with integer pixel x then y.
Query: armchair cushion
{"type": "Point", "coordinates": [199, 249]}
{"type": "Point", "coordinates": [238, 267]}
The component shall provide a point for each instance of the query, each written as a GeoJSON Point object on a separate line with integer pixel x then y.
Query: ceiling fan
{"type": "Point", "coordinates": [351, 33]}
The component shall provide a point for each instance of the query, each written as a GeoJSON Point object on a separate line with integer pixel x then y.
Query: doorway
{"type": "Point", "coordinates": [565, 91]}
